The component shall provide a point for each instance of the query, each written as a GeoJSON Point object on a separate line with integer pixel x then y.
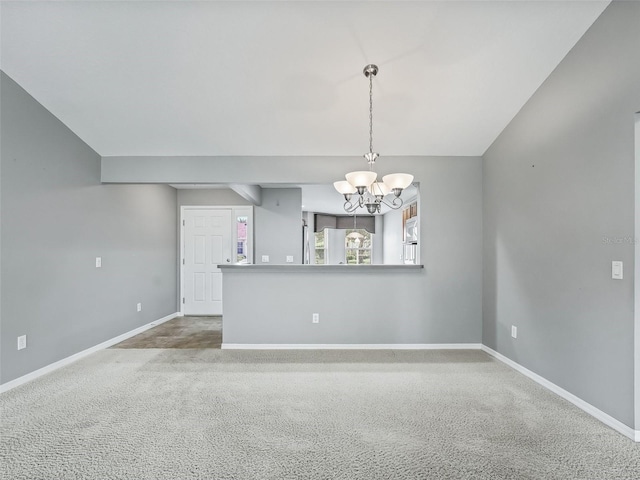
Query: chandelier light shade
{"type": "Point", "coordinates": [361, 179]}
{"type": "Point", "coordinates": [371, 193]}
{"type": "Point", "coordinates": [397, 180]}
{"type": "Point", "coordinates": [344, 187]}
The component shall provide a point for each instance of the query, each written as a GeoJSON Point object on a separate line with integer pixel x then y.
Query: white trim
{"type": "Point", "coordinates": [578, 402]}
{"type": "Point", "coordinates": [636, 284]}
{"type": "Point", "coordinates": [181, 262]}
{"type": "Point", "coordinates": [77, 356]}
{"type": "Point", "coordinates": [351, 346]}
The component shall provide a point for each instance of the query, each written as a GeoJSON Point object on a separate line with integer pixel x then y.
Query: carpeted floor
{"type": "Point", "coordinates": [180, 332]}
{"type": "Point", "coordinates": [220, 414]}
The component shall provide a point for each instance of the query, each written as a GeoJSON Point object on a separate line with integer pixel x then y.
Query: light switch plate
{"type": "Point", "coordinates": [22, 342]}
{"type": "Point", "coordinates": [616, 270]}
{"type": "Point", "coordinates": [289, 258]}
{"type": "Point", "coordinates": [265, 258]}
{"type": "Point", "coordinates": [98, 262]}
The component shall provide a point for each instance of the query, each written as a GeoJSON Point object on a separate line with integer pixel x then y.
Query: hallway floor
{"type": "Point", "coordinates": [180, 332]}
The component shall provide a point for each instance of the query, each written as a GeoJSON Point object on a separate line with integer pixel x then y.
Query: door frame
{"type": "Point", "coordinates": [235, 210]}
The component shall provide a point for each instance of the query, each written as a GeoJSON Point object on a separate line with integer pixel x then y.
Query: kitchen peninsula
{"type": "Point", "coordinates": [273, 306]}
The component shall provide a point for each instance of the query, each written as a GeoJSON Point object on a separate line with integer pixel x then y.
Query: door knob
{"type": "Point", "coordinates": [228, 260]}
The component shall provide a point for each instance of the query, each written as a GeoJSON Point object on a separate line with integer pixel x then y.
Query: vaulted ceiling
{"type": "Point", "coordinates": [284, 77]}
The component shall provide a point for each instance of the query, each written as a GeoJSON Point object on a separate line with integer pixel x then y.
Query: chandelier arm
{"type": "Point", "coordinates": [350, 207]}
{"type": "Point", "coordinates": [395, 204]}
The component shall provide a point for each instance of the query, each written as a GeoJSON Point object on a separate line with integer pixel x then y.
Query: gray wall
{"type": "Point", "coordinates": [56, 218]}
{"type": "Point", "coordinates": [558, 206]}
{"type": "Point", "coordinates": [209, 197]}
{"type": "Point", "coordinates": [278, 225]}
{"type": "Point", "coordinates": [390, 309]}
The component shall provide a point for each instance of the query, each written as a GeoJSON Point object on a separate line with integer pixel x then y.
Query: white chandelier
{"type": "Point", "coordinates": [372, 193]}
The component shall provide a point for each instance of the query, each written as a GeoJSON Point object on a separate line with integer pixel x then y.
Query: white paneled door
{"type": "Point", "coordinates": [207, 242]}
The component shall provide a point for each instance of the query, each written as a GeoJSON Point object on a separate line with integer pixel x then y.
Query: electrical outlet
{"type": "Point", "coordinates": [289, 258]}
{"type": "Point", "coordinates": [98, 262]}
{"type": "Point", "coordinates": [265, 258]}
{"type": "Point", "coordinates": [315, 318]}
{"type": "Point", "coordinates": [139, 307]}
{"type": "Point", "coordinates": [514, 331]}
{"type": "Point", "coordinates": [22, 342]}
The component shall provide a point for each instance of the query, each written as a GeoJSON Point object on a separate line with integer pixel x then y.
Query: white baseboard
{"type": "Point", "coordinates": [578, 402]}
{"type": "Point", "coordinates": [77, 356]}
{"type": "Point", "coordinates": [351, 346]}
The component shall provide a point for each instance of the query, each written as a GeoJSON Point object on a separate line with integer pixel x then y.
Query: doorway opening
{"type": "Point", "coordinates": [211, 236]}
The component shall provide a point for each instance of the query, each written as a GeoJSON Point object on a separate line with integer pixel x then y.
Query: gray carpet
{"type": "Point", "coordinates": [211, 414]}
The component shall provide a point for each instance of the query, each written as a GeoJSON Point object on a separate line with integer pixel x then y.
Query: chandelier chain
{"type": "Point", "coordinates": [370, 113]}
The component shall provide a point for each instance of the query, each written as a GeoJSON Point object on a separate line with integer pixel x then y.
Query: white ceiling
{"type": "Point", "coordinates": [285, 78]}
